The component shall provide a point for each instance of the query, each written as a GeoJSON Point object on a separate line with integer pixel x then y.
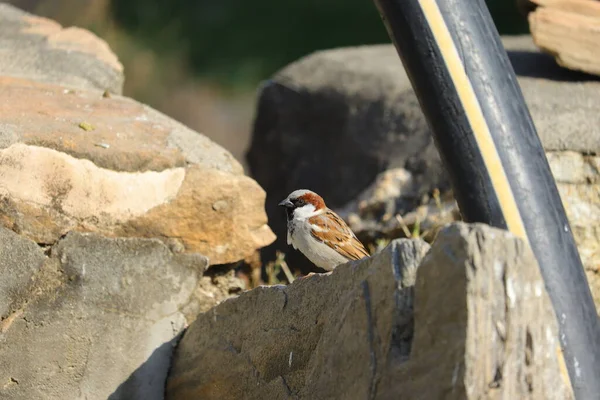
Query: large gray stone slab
{"type": "Point", "coordinates": [98, 318]}
{"type": "Point", "coordinates": [468, 318]}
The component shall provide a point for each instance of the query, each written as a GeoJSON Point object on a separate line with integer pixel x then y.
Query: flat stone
{"type": "Point", "coordinates": [72, 160]}
{"type": "Point", "coordinates": [568, 30]}
{"type": "Point", "coordinates": [40, 49]}
{"type": "Point", "coordinates": [122, 134]}
{"type": "Point", "coordinates": [98, 318]}
{"type": "Point", "coordinates": [20, 259]}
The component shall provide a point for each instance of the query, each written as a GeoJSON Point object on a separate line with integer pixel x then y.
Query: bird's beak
{"type": "Point", "coordinates": [286, 203]}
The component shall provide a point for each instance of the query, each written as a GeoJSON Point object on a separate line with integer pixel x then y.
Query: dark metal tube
{"type": "Point", "coordinates": [484, 132]}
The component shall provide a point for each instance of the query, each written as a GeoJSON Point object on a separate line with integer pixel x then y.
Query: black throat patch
{"type": "Point", "coordinates": [290, 217]}
{"type": "Point", "coordinates": [290, 213]}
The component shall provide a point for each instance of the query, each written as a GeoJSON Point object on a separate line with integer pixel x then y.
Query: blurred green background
{"type": "Point", "coordinates": [200, 61]}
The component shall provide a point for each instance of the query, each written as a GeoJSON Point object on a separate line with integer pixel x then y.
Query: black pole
{"type": "Point", "coordinates": [469, 93]}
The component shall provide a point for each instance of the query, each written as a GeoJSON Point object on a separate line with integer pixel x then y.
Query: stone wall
{"type": "Point", "coordinates": [111, 217]}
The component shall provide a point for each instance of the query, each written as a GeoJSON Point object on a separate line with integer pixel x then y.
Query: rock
{"type": "Point", "coordinates": [97, 318]}
{"type": "Point", "coordinates": [136, 173]}
{"type": "Point", "coordinates": [484, 323]}
{"type": "Point", "coordinates": [226, 354]}
{"type": "Point", "coordinates": [382, 209]}
{"type": "Point", "coordinates": [568, 30]}
{"type": "Point", "coordinates": [578, 180]}
{"type": "Point", "coordinates": [356, 105]}
{"type": "Point", "coordinates": [19, 260]}
{"type": "Point", "coordinates": [214, 288]}
{"type": "Point", "coordinates": [110, 214]}
{"type": "Point", "coordinates": [40, 49]}
{"type": "Point", "coordinates": [393, 206]}
{"type": "Point", "coordinates": [350, 334]}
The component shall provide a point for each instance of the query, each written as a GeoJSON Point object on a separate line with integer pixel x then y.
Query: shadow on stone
{"type": "Point", "coordinates": [539, 65]}
{"type": "Point", "coordinates": [148, 381]}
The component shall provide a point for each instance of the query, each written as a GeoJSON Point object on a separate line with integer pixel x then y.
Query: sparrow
{"type": "Point", "coordinates": [319, 233]}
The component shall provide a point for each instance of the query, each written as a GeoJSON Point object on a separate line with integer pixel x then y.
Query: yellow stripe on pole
{"type": "Point", "coordinates": [480, 129]}
{"type": "Point", "coordinates": [475, 117]}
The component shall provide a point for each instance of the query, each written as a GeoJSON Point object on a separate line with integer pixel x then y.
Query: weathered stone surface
{"type": "Point", "coordinates": [484, 324]}
{"type": "Point", "coordinates": [480, 309]}
{"type": "Point", "coordinates": [578, 180]}
{"type": "Point", "coordinates": [42, 50]}
{"type": "Point", "coordinates": [19, 261]}
{"type": "Point", "coordinates": [563, 103]}
{"type": "Point", "coordinates": [115, 133]}
{"type": "Point", "coordinates": [226, 353]}
{"type": "Point", "coordinates": [394, 206]}
{"type": "Point", "coordinates": [129, 171]}
{"type": "Point", "coordinates": [95, 318]}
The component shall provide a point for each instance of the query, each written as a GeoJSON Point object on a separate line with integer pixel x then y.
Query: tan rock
{"type": "Point", "coordinates": [568, 29]}
{"type": "Point", "coordinates": [72, 39]}
{"type": "Point", "coordinates": [214, 213]}
{"type": "Point", "coordinates": [74, 160]}
{"type": "Point", "coordinates": [578, 180]}
{"type": "Point", "coordinates": [121, 134]}
{"type": "Point", "coordinates": [41, 49]}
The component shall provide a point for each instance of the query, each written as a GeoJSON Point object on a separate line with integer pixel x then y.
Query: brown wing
{"type": "Point", "coordinates": [333, 231]}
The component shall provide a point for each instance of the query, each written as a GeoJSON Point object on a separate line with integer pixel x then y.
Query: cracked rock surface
{"type": "Point", "coordinates": [468, 318]}
{"type": "Point", "coordinates": [96, 317]}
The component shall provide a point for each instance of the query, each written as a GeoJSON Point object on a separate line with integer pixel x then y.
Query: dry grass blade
{"type": "Point", "coordinates": [284, 267]}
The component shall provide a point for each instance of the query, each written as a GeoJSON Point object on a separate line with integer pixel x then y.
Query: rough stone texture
{"type": "Point", "coordinates": [563, 103]}
{"type": "Point", "coordinates": [226, 353]}
{"type": "Point", "coordinates": [484, 324]}
{"type": "Point", "coordinates": [74, 160]}
{"type": "Point", "coordinates": [95, 318]}
{"type": "Point", "coordinates": [40, 49]}
{"type": "Point", "coordinates": [480, 309]}
{"type": "Point", "coordinates": [347, 124]}
{"type": "Point", "coordinates": [386, 209]}
{"type": "Point", "coordinates": [213, 288]}
{"type": "Point", "coordinates": [578, 180]}
{"type": "Point", "coordinates": [19, 261]}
